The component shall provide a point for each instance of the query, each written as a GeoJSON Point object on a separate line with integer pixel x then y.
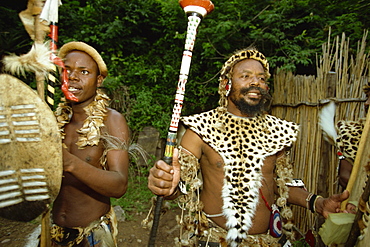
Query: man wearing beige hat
{"type": "Point", "coordinates": [95, 154]}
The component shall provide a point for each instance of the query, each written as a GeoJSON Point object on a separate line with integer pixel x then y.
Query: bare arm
{"type": "Point", "coordinates": [323, 206]}
{"type": "Point", "coordinates": [345, 169]}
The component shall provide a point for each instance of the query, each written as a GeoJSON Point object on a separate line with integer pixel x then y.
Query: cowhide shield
{"type": "Point", "coordinates": [30, 152]}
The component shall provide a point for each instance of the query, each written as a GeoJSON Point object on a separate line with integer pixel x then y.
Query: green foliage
{"type": "Point", "coordinates": [146, 108]}
{"type": "Point", "coordinates": [142, 42]}
{"type": "Point", "coordinates": [13, 36]}
{"type": "Point", "coordinates": [137, 198]}
{"type": "Point", "coordinates": [301, 243]}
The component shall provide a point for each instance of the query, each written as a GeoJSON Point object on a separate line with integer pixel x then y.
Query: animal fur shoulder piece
{"type": "Point", "coordinates": [243, 143]}
{"type": "Point", "coordinates": [345, 135]}
{"type": "Point", "coordinates": [348, 139]}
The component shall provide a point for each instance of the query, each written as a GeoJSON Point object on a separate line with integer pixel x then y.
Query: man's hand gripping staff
{"type": "Point", "coordinates": [195, 10]}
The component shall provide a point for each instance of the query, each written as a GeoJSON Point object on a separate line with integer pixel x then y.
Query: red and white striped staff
{"type": "Point", "coordinates": [50, 14]}
{"type": "Point", "coordinates": [196, 10]}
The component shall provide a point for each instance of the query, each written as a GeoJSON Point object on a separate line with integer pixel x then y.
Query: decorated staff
{"type": "Point", "coordinates": [50, 14]}
{"type": "Point", "coordinates": [195, 10]}
{"type": "Point", "coordinates": [53, 75]}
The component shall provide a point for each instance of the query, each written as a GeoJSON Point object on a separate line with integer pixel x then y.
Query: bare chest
{"type": "Point", "coordinates": [89, 154]}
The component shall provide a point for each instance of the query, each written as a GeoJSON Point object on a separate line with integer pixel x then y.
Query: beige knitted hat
{"type": "Point", "coordinates": [81, 46]}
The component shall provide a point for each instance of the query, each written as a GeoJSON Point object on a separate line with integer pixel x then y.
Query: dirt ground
{"type": "Point", "coordinates": [130, 232]}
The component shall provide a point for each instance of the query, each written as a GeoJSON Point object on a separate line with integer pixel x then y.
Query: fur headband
{"type": "Point", "coordinates": [238, 56]}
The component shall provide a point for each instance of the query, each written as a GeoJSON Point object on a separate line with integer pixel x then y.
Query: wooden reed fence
{"type": "Point", "coordinates": [340, 77]}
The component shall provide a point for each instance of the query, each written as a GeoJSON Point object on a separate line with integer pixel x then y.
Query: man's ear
{"type": "Point", "coordinates": [100, 80]}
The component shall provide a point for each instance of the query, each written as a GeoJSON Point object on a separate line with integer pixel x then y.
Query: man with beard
{"type": "Point", "coordinates": [242, 154]}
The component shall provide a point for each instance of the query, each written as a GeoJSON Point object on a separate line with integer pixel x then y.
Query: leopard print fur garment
{"type": "Point", "coordinates": [348, 139]}
{"type": "Point", "coordinates": [243, 143]}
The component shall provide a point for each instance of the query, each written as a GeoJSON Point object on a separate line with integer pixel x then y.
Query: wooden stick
{"type": "Point", "coordinates": [355, 230]}
{"type": "Point", "coordinates": [358, 174]}
{"type": "Point", "coordinates": [45, 239]}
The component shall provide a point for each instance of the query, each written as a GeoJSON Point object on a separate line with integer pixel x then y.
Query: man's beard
{"type": "Point", "coordinates": [252, 110]}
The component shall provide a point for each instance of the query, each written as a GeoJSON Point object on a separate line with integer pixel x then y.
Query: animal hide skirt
{"type": "Point", "coordinates": [100, 233]}
{"type": "Point", "coordinates": [216, 236]}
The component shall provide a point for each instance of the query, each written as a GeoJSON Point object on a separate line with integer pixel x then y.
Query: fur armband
{"type": "Point", "coordinates": [189, 172]}
{"type": "Point", "coordinates": [284, 171]}
{"type": "Point", "coordinates": [190, 186]}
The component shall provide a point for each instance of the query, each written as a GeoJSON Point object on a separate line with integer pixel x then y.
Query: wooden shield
{"type": "Point", "coordinates": [30, 152]}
